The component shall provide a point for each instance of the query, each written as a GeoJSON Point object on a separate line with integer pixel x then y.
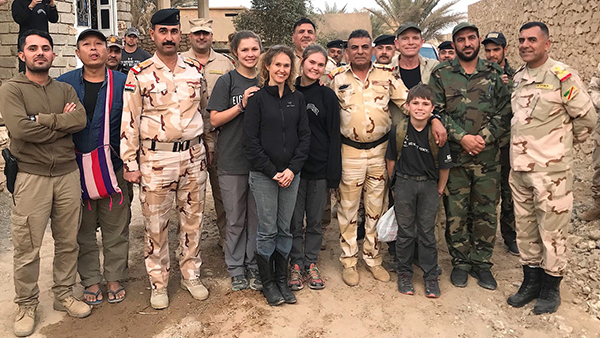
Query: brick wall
{"type": "Point", "coordinates": [573, 24]}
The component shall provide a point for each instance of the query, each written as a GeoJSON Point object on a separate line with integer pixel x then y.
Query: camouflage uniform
{"type": "Point", "coordinates": [507, 213]}
{"type": "Point", "coordinates": [217, 65]}
{"type": "Point", "coordinates": [365, 118]}
{"type": "Point", "coordinates": [166, 107]}
{"type": "Point", "coordinates": [472, 104]}
{"type": "Point", "coordinates": [552, 110]}
{"type": "Point", "coordinates": [594, 90]}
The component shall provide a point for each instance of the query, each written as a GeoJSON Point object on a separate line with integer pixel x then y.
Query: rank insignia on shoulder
{"type": "Point", "coordinates": [384, 67]}
{"type": "Point", "coordinates": [129, 87]}
{"type": "Point", "coordinates": [336, 71]}
{"type": "Point", "coordinates": [193, 62]}
{"type": "Point", "coordinates": [570, 93]}
{"type": "Point", "coordinates": [561, 73]}
{"type": "Point", "coordinates": [141, 66]}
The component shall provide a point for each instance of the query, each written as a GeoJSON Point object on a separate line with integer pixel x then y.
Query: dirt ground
{"type": "Point", "coordinates": [372, 309]}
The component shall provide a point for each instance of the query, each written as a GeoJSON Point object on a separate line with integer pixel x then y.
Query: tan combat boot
{"type": "Point", "coordinates": [379, 273]}
{"type": "Point", "coordinates": [195, 287]}
{"type": "Point", "coordinates": [593, 213]}
{"type": "Point", "coordinates": [25, 321]}
{"type": "Point", "coordinates": [73, 306]}
{"type": "Point", "coordinates": [350, 276]}
{"type": "Point", "coordinates": [159, 299]}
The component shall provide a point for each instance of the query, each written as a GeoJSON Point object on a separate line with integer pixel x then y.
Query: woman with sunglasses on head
{"type": "Point", "coordinates": [226, 106]}
{"type": "Point", "coordinates": [322, 170]}
{"type": "Point", "coordinates": [277, 140]}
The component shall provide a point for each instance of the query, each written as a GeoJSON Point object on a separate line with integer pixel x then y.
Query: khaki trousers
{"type": "Point", "coordinates": [361, 168]}
{"type": "Point", "coordinates": [112, 215]}
{"type": "Point", "coordinates": [37, 199]}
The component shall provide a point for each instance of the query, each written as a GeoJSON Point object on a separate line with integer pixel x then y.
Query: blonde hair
{"type": "Point", "coordinates": [267, 58]}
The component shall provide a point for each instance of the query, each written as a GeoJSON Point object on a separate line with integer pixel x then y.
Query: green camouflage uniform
{"type": "Point", "coordinates": [552, 110]}
{"type": "Point", "coordinates": [507, 213]}
{"type": "Point", "coordinates": [472, 104]}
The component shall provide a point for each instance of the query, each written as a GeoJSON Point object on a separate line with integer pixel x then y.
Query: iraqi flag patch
{"type": "Point", "coordinates": [129, 87]}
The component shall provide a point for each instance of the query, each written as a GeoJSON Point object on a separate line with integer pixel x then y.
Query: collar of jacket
{"type": "Point", "coordinates": [298, 85]}
{"type": "Point", "coordinates": [274, 90]}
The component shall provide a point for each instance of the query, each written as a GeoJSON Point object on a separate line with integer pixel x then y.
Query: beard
{"type": "Point", "coordinates": [32, 67]}
{"type": "Point", "coordinates": [462, 56]}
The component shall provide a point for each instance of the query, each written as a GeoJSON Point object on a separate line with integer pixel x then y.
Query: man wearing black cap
{"type": "Point", "coordinates": [474, 103]}
{"type": "Point", "coordinates": [446, 51]}
{"type": "Point", "coordinates": [163, 132]}
{"type": "Point", "coordinates": [413, 67]}
{"type": "Point", "coordinates": [384, 49]}
{"type": "Point", "coordinates": [132, 54]}
{"type": "Point", "coordinates": [95, 85]}
{"type": "Point", "coordinates": [335, 51]}
{"type": "Point", "coordinates": [495, 50]}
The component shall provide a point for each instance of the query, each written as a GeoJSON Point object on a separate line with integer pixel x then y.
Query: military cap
{"type": "Point", "coordinates": [335, 44]}
{"type": "Point", "coordinates": [406, 26]}
{"type": "Point", "coordinates": [114, 40]}
{"type": "Point", "coordinates": [201, 25]}
{"type": "Point", "coordinates": [445, 45]}
{"type": "Point", "coordinates": [462, 26]}
{"type": "Point", "coordinates": [384, 39]}
{"type": "Point", "coordinates": [91, 32]}
{"type": "Point", "coordinates": [345, 44]}
{"type": "Point", "coordinates": [495, 37]}
{"type": "Point", "coordinates": [132, 31]}
{"type": "Point", "coordinates": [167, 17]}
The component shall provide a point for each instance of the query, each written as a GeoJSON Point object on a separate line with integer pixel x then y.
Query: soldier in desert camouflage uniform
{"type": "Point", "coordinates": [163, 122]}
{"type": "Point", "coordinates": [474, 103]}
{"type": "Point", "coordinates": [364, 90]}
{"type": "Point", "coordinates": [4, 143]}
{"type": "Point", "coordinates": [552, 111]}
{"type": "Point", "coordinates": [594, 212]}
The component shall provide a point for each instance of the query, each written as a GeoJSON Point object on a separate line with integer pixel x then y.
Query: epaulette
{"type": "Point", "coordinates": [141, 66]}
{"type": "Point", "coordinates": [229, 57]}
{"type": "Point", "coordinates": [495, 66]}
{"type": "Point", "coordinates": [384, 67]}
{"type": "Point", "coordinates": [192, 62]}
{"type": "Point", "coordinates": [338, 70]}
{"type": "Point", "coordinates": [561, 73]}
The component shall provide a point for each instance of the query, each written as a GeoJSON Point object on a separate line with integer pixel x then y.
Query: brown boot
{"type": "Point", "coordinates": [593, 213]}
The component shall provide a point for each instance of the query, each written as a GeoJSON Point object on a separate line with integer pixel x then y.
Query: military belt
{"type": "Point", "coordinates": [414, 178]}
{"type": "Point", "coordinates": [365, 145]}
{"type": "Point", "coordinates": [178, 146]}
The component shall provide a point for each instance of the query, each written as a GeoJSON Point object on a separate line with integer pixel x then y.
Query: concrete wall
{"type": "Point", "coordinates": [573, 24]}
{"type": "Point", "coordinates": [341, 25]}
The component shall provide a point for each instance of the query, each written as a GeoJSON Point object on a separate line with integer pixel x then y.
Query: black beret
{"type": "Point", "coordinates": [167, 17]}
{"type": "Point", "coordinates": [335, 44]}
{"type": "Point", "coordinates": [445, 45]}
{"type": "Point", "coordinates": [384, 39]}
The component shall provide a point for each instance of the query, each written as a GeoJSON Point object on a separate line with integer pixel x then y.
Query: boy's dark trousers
{"type": "Point", "coordinates": [416, 205]}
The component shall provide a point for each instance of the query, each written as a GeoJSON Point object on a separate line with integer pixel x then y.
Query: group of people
{"type": "Point", "coordinates": [275, 133]}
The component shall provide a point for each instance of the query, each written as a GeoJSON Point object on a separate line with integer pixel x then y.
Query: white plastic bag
{"type": "Point", "coordinates": [387, 227]}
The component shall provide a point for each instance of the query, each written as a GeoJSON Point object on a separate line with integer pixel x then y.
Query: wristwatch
{"type": "Point", "coordinates": [32, 117]}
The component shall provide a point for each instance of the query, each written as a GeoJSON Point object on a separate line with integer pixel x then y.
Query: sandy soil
{"type": "Point", "coordinates": [372, 309]}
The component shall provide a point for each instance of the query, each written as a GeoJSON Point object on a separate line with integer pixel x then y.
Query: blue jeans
{"type": "Point", "coordinates": [275, 207]}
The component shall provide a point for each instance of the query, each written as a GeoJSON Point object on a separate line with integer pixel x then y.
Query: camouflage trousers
{"type": "Point", "coordinates": [165, 176]}
{"type": "Point", "coordinates": [471, 217]}
{"type": "Point", "coordinates": [543, 204]}
{"type": "Point", "coordinates": [507, 212]}
{"type": "Point", "coordinates": [596, 163]}
{"type": "Point", "coordinates": [4, 143]}
{"type": "Point", "coordinates": [361, 168]}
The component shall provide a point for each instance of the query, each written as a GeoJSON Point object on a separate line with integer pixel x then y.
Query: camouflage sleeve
{"type": "Point", "coordinates": [594, 89]}
{"type": "Point", "coordinates": [70, 122]}
{"type": "Point", "coordinates": [210, 134]}
{"type": "Point", "coordinates": [130, 122]}
{"type": "Point", "coordinates": [455, 131]}
{"type": "Point", "coordinates": [579, 106]}
{"type": "Point", "coordinates": [398, 92]}
{"type": "Point", "coordinates": [499, 123]}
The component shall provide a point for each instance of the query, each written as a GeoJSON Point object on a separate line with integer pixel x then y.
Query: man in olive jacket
{"type": "Point", "coordinates": [40, 115]}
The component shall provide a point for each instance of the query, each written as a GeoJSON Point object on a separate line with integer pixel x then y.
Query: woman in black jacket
{"type": "Point", "coordinates": [277, 140]}
{"type": "Point", "coordinates": [322, 170]}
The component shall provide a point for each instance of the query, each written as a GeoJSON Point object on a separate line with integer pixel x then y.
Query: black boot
{"type": "Point", "coordinates": [530, 288]}
{"type": "Point", "coordinates": [281, 269]}
{"type": "Point", "coordinates": [549, 298]}
{"type": "Point", "coordinates": [267, 276]}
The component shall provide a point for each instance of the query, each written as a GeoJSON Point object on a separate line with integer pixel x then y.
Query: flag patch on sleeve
{"type": "Point", "coordinates": [570, 93]}
{"type": "Point", "coordinates": [129, 87]}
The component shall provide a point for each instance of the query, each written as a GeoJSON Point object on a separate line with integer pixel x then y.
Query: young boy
{"type": "Point", "coordinates": [420, 170]}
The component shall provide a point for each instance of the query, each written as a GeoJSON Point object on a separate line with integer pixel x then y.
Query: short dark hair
{"type": "Point", "coordinates": [421, 91]}
{"type": "Point", "coordinates": [532, 24]}
{"type": "Point", "coordinates": [37, 32]}
{"type": "Point", "coordinates": [303, 21]}
{"type": "Point", "coordinates": [359, 33]}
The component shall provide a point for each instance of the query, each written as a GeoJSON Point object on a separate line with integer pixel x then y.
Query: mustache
{"type": "Point", "coordinates": [166, 43]}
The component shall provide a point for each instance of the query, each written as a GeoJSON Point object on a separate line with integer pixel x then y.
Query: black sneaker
{"type": "Point", "coordinates": [432, 288]}
{"type": "Point", "coordinates": [239, 283]}
{"type": "Point", "coordinates": [485, 279]}
{"type": "Point", "coordinates": [459, 277]}
{"type": "Point", "coordinates": [512, 247]}
{"type": "Point", "coordinates": [254, 280]}
{"type": "Point", "coordinates": [405, 286]}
